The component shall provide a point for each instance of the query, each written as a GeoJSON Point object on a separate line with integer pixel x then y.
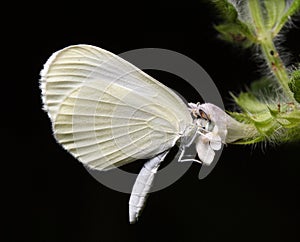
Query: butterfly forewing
{"type": "Point", "coordinates": [107, 112]}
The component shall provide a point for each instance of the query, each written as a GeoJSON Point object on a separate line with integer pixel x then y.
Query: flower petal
{"type": "Point", "coordinates": [215, 140]}
{"type": "Point", "coordinates": [205, 152]}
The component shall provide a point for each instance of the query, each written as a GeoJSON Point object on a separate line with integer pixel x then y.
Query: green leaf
{"type": "Point", "coordinates": [226, 9]}
{"type": "Point", "coordinates": [295, 84]}
{"type": "Point", "coordinates": [237, 33]}
{"type": "Point", "coordinates": [233, 29]}
{"type": "Point", "coordinates": [293, 8]}
{"type": "Point", "coordinates": [257, 15]}
{"type": "Point", "coordinates": [274, 11]}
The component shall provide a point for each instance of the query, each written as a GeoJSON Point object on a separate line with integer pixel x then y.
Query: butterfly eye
{"type": "Point", "coordinates": [203, 115]}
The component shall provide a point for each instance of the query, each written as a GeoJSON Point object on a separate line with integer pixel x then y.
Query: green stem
{"type": "Point", "coordinates": [271, 55]}
{"type": "Point", "coordinates": [276, 66]}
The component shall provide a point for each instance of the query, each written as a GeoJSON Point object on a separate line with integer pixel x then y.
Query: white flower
{"type": "Point", "coordinates": [215, 127]}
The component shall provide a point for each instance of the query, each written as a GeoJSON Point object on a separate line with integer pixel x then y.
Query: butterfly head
{"type": "Point", "coordinates": [201, 118]}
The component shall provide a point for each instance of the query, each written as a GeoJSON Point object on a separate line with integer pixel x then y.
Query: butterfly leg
{"type": "Point", "coordinates": [142, 186]}
{"type": "Point", "coordinates": [187, 156]}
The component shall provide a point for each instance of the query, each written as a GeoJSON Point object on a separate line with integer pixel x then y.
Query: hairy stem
{"type": "Point", "coordinates": [270, 53]}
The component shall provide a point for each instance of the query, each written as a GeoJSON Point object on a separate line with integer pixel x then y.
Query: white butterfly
{"type": "Point", "coordinates": [107, 113]}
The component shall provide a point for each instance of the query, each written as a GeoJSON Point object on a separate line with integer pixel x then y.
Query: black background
{"type": "Point", "coordinates": [251, 195]}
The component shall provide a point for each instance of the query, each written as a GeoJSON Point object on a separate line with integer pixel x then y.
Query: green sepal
{"type": "Point", "coordinates": [264, 86]}
{"type": "Point", "coordinates": [250, 141]}
{"type": "Point", "coordinates": [249, 103]}
{"type": "Point", "coordinates": [275, 122]}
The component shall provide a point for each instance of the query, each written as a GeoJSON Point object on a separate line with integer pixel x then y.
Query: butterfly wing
{"type": "Point", "coordinates": [105, 111]}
